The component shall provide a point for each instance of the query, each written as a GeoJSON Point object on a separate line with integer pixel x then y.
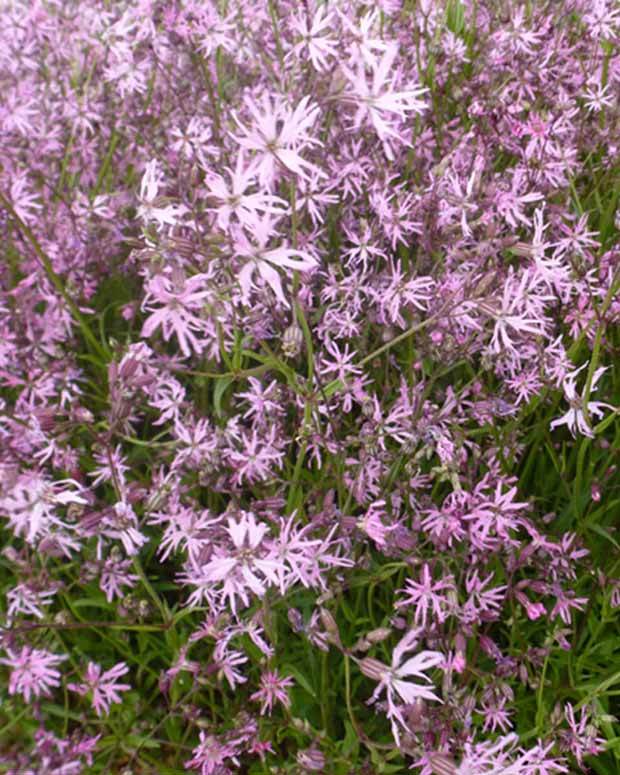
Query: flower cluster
{"type": "Point", "coordinates": [308, 387]}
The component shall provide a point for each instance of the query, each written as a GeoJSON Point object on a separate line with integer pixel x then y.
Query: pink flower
{"type": "Point", "coordinates": [210, 756]}
{"type": "Point", "coordinates": [176, 301]}
{"type": "Point", "coordinates": [104, 686]}
{"type": "Point", "coordinates": [33, 672]}
{"type": "Point", "coordinates": [262, 260]}
{"type": "Point", "coordinates": [428, 595]}
{"type": "Point", "coordinates": [233, 198]}
{"type": "Point", "coordinates": [581, 738]}
{"type": "Point", "coordinates": [277, 134]}
{"type": "Point", "coordinates": [272, 689]}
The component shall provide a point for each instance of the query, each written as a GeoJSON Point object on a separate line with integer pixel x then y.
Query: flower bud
{"type": "Point", "coordinates": [378, 635]}
{"type": "Point", "coordinates": [331, 628]}
{"type": "Point", "coordinates": [442, 764]}
{"type": "Point", "coordinates": [373, 668]}
{"type": "Point", "coordinates": [312, 760]}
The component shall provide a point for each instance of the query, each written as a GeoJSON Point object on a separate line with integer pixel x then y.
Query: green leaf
{"type": "Point", "coordinates": [351, 743]}
{"type": "Point", "coordinates": [301, 679]}
{"type": "Point", "coordinates": [221, 386]}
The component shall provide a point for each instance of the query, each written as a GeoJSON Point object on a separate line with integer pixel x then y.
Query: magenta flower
{"type": "Point", "coordinates": [272, 689]}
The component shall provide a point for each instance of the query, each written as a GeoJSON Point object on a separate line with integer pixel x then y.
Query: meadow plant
{"type": "Point", "coordinates": [308, 386]}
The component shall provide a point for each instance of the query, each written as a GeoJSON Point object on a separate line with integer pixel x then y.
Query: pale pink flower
{"type": "Point", "coordinates": [234, 198]}
{"type": "Point", "coordinates": [602, 19]}
{"type": "Point", "coordinates": [262, 260]}
{"type": "Point", "coordinates": [257, 457]}
{"type": "Point", "coordinates": [115, 575]}
{"type": "Point", "coordinates": [121, 523]}
{"type": "Point", "coordinates": [503, 757]}
{"type": "Point", "coordinates": [277, 134]}
{"type": "Point", "coordinates": [510, 203]}
{"type": "Point", "coordinates": [366, 41]}
{"type": "Point", "coordinates": [598, 97]}
{"type": "Point", "coordinates": [315, 42]}
{"type": "Point", "coordinates": [28, 600]}
{"type": "Point", "coordinates": [245, 565]}
{"type": "Point", "coordinates": [25, 203]}
{"type": "Point", "coordinates": [575, 419]}
{"type": "Point", "coordinates": [380, 101]}
{"type": "Point", "coordinates": [393, 679]}
{"type": "Point", "coordinates": [31, 505]}
{"type": "Point", "coordinates": [153, 208]}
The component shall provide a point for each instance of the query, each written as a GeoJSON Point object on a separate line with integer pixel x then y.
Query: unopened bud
{"type": "Point", "coordinates": [74, 511]}
{"type": "Point", "coordinates": [331, 628]}
{"type": "Point", "coordinates": [557, 714]}
{"type": "Point", "coordinates": [302, 725]}
{"type": "Point", "coordinates": [371, 638]}
{"type": "Point", "coordinates": [82, 414]}
{"type": "Point", "coordinates": [378, 635]}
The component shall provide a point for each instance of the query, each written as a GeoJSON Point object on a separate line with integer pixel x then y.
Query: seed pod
{"type": "Point", "coordinates": [292, 341]}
